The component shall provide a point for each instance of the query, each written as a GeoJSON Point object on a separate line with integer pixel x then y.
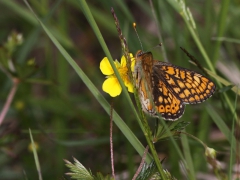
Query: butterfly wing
{"type": "Point", "coordinates": [166, 102]}
{"type": "Point", "coordinates": [142, 74]}
{"type": "Point", "coordinates": [188, 86]}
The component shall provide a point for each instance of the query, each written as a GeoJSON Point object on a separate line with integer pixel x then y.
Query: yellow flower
{"type": "Point", "coordinates": [111, 85]}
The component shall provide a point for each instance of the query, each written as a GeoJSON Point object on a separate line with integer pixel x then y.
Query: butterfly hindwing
{"type": "Point", "coordinates": [166, 102]}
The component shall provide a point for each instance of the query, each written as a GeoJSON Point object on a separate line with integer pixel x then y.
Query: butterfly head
{"type": "Point", "coordinates": [139, 54]}
{"type": "Point", "coordinates": [144, 59]}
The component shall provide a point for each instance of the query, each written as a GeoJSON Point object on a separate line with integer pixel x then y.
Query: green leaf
{"type": "Point", "coordinates": [174, 127]}
{"type": "Point", "coordinates": [150, 172]}
{"type": "Point", "coordinates": [226, 88]}
{"type": "Point", "coordinates": [101, 177]}
{"type": "Point", "coordinates": [78, 171]}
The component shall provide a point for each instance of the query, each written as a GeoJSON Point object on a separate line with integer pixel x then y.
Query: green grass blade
{"type": "Point", "coordinates": [232, 154]}
{"type": "Point", "coordinates": [226, 39]}
{"type": "Point", "coordinates": [35, 156]}
{"type": "Point", "coordinates": [187, 155]}
{"type": "Point", "coordinates": [106, 106]}
{"type": "Point", "coordinates": [222, 126]}
{"type": "Point", "coordinates": [221, 25]}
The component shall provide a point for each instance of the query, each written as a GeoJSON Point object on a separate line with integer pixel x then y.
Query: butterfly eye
{"type": "Point", "coordinates": [140, 53]}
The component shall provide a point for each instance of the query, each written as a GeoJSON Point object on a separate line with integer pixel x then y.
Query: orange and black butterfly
{"type": "Point", "coordinates": [165, 88]}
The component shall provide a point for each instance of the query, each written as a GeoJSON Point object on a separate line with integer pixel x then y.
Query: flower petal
{"type": "Point", "coordinates": [133, 60]}
{"type": "Point", "coordinates": [106, 67]}
{"type": "Point", "coordinates": [124, 61]}
{"type": "Point", "coordinates": [129, 85]}
{"type": "Point", "coordinates": [112, 86]}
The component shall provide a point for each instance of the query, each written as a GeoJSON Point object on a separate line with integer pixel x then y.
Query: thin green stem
{"type": "Point", "coordinates": [220, 28]}
{"type": "Point", "coordinates": [232, 142]}
{"type": "Point", "coordinates": [148, 134]}
{"type": "Point", "coordinates": [35, 156]}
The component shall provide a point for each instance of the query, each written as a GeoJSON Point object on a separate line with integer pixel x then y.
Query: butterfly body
{"type": "Point", "coordinates": [164, 88]}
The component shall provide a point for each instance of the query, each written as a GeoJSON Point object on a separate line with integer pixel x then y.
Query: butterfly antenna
{"type": "Point", "coordinates": [135, 28]}
{"type": "Point", "coordinates": [157, 46]}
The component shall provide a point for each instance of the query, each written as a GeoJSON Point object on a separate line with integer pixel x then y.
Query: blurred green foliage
{"type": "Point", "coordinates": [65, 118]}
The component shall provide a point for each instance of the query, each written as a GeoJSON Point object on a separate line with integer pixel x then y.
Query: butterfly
{"type": "Point", "coordinates": [164, 88]}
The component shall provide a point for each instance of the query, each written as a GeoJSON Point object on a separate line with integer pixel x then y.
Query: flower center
{"type": "Point", "coordinates": [123, 72]}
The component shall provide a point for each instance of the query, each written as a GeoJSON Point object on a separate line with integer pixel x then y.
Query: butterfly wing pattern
{"type": "Point", "coordinates": [165, 88]}
{"type": "Point", "coordinates": [166, 101]}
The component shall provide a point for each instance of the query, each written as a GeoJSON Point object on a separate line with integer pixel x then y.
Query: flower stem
{"type": "Point", "coordinates": [143, 121]}
{"type": "Point", "coordinates": [148, 135]}
{"type": "Point", "coordinates": [9, 99]}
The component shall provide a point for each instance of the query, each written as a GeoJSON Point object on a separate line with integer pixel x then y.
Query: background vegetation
{"type": "Point", "coordinates": [66, 119]}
